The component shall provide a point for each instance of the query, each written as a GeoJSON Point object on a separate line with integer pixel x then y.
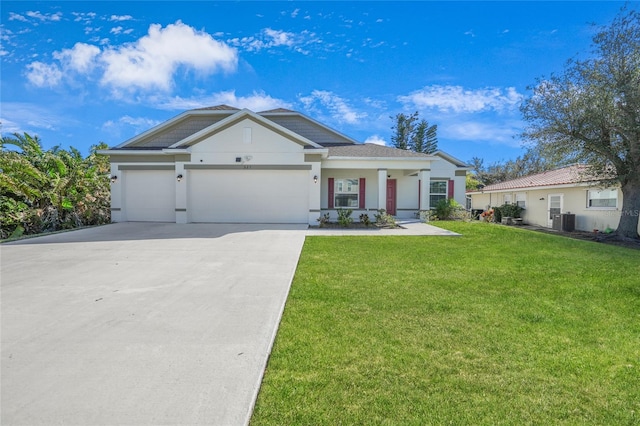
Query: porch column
{"type": "Point", "coordinates": [382, 189]}
{"type": "Point", "coordinates": [315, 185]}
{"type": "Point", "coordinates": [425, 184]}
{"type": "Point", "coordinates": [116, 193]}
{"type": "Point", "coordinates": [181, 193]}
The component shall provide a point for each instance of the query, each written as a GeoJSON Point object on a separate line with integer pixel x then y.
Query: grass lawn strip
{"type": "Point", "coordinates": [499, 326]}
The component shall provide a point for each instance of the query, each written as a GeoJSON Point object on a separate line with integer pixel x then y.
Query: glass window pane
{"type": "Point", "coordinates": [434, 199]}
{"type": "Point", "coordinates": [438, 187]}
{"type": "Point", "coordinates": [603, 198]}
{"type": "Point", "coordinates": [346, 200]}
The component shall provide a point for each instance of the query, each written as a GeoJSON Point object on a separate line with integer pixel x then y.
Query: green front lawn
{"type": "Point", "coordinates": [499, 326]}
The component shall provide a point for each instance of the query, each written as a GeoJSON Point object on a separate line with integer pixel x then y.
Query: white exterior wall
{"type": "Point", "coordinates": [371, 191]}
{"type": "Point", "coordinates": [258, 148]}
{"type": "Point", "coordinates": [265, 147]}
{"type": "Point", "coordinates": [575, 201]}
{"type": "Point", "coordinates": [441, 170]}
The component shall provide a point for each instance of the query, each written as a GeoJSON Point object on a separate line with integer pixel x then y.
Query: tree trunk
{"type": "Point", "coordinates": [630, 213]}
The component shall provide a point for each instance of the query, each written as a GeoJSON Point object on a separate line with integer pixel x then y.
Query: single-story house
{"type": "Point", "coordinates": [224, 164]}
{"type": "Point", "coordinates": [567, 190]}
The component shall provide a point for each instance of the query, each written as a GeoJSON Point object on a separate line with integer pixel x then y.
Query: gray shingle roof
{"type": "Point", "coordinates": [217, 108]}
{"type": "Point", "coordinates": [370, 150]}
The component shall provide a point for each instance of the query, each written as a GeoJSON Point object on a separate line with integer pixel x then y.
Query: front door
{"type": "Point", "coordinates": [391, 196]}
{"type": "Point", "coordinates": [554, 207]}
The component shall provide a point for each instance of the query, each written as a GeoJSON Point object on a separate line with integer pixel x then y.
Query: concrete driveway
{"type": "Point", "coordinates": [140, 324]}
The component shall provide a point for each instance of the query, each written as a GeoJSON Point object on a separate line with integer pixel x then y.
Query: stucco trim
{"type": "Point", "coordinates": [247, 166]}
{"type": "Point", "coordinates": [146, 167]}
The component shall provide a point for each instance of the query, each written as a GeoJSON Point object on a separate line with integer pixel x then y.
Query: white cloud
{"type": "Point", "coordinates": [337, 107]}
{"type": "Point", "coordinates": [375, 139]}
{"type": "Point", "coordinates": [20, 117]}
{"type": "Point", "coordinates": [119, 18]}
{"type": "Point", "coordinates": [257, 101]}
{"type": "Point", "coordinates": [270, 38]}
{"type": "Point", "coordinates": [295, 13]}
{"type": "Point", "coordinates": [44, 75]}
{"type": "Point", "coordinates": [80, 58]}
{"type": "Point", "coordinates": [116, 30]}
{"type": "Point", "coordinates": [44, 16]}
{"type": "Point", "coordinates": [278, 38]}
{"type": "Point", "coordinates": [151, 62]}
{"type": "Point", "coordinates": [457, 99]}
{"type": "Point", "coordinates": [16, 17]}
{"type": "Point", "coordinates": [128, 125]}
{"type": "Point", "coordinates": [486, 131]}
{"type": "Point", "coordinates": [141, 122]}
{"type": "Point", "coordinates": [84, 17]}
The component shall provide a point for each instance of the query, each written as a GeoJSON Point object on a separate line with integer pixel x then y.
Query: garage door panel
{"type": "Point", "coordinates": [150, 195]}
{"type": "Point", "coordinates": [248, 196]}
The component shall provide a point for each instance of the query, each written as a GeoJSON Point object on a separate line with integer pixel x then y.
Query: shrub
{"type": "Point", "coordinates": [497, 214]}
{"type": "Point", "coordinates": [384, 219]}
{"type": "Point", "coordinates": [448, 209]}
{"type": "Point", "coordinates": [323, 220]}
{"type": "Point", "coordinates": [364, 219]}
{"type": "Point", "coordinates": [344, 217]}
{"type": "Point", "coordinates": [511, 210]}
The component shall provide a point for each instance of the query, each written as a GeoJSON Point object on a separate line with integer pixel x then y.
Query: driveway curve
{"type": "Point", "coordinates": [142, 323]}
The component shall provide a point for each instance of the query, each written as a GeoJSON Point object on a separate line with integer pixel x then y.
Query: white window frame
{"type": "Point", "coordinates": [599, 191]}
{"type": "Point", "coordinates": [438, 194]}
{"type": "Point", "coordinates": [521, 199]}
{"type": "Point", "coordinates": [506, 199]}
{"type": "Point", "coordinates": [344, 188]}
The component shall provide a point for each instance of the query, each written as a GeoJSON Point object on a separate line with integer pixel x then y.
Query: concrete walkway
{"type": "Point", "coordinates": [146, 324]}
{"type": "Point", "coordinates": [142, 324]}
{"type": "Point", "coordinates": [407, 227]}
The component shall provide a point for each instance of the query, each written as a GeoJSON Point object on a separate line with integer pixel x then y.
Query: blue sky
{"type": "Point", "coordinates": [77, 73]}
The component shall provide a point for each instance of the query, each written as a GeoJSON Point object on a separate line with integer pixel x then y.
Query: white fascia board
{"type": "Point", "coordinates": [533, 188]}
{"type": "Point", "coordinates": [324, 126]}
{"type": "Point", "coordinates": [239, 116]}
{"type": "Point", "coordinates": [383, 159]}
{"type": "Point", "coordinates": [375, 163]}
{"type": "Point", "coordinates": [453, 160]}
{"type": "Point", "coordinates": [323, 151]}
{"type": "Point", "coordinates": [142, 152]}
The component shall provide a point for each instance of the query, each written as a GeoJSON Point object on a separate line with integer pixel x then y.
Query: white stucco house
{"type": "Point", "coordinates": [224, 164]}
{"type": "Point", "coordinates": [566, 190]}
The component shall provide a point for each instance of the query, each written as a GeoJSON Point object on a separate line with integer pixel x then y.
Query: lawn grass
{"type": "Point", "coordinates": [498, 326]}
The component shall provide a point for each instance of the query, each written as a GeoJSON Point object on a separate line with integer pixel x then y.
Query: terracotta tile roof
{"type": "Point", "coordinates": [566, 175]}
{"type": "Point", "coordinates": [369, 150]}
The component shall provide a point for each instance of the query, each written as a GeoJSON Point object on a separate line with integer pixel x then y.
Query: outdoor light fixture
{"type": "Point", "coordinates": [542, 199]}
{"type": "Point", "coordinates": [315, 179]}
{"type": "Point", "coordinates": [179, 177]}
{"type": "Point", "coordinates": [114, 179]}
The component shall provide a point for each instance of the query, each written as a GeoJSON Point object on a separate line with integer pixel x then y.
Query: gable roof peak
{"type": "Point", "coordinates": [221, 107]}
{"type": "Point", "coordinates": [278, 110]}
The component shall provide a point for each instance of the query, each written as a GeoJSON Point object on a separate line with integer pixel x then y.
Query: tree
{"type": "Point", "coordinates": [530, 162]}
{"type": "Point", "coordinates": [50, 190]}
{"type": "Point", "coordinates": [591, 114]}
{"type": "Point", "coordinates": [418, 137]}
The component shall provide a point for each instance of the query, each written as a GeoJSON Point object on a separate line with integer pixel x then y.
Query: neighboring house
{"type": "Point", "coordinates": [567, 190]}
{"type": "Point", "coordinates": [223, 164]}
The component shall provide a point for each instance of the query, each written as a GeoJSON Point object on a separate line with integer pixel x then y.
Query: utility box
{"type": "Point", "coordinates": [564, 222]}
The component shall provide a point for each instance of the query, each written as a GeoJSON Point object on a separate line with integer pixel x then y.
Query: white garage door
{"type": "Point", "coordinates": [248, 196]}
{"type": "Point", "coordinates": [149, 196]}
